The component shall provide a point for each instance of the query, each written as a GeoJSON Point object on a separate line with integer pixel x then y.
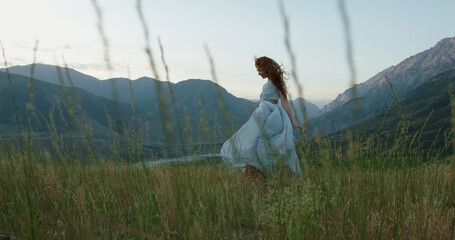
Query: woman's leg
{"type": "Point", "coordinates": [254, 174]}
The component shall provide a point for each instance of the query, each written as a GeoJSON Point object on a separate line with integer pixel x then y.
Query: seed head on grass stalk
{"type": "Point", "coordinates": [104, 39]}
{"type": "Point", "coordinates": [292, 57]}
{"type": "Point", "coordinates": [69, 106]}
{"type": "Point", "coordinates": [219, 92]}
{"type": "Point", "coordinates": [75, 95]}
{"type": "Point", "coordinates": [65, 123]}
{"type": "Point", "coordinates": [130, 87]}
{"type": "Point", "coordinates": [66, 96]}
{"type": "Point", "coordinates": [29, 107]}
{"type": "Point", "coordinates": [350, 58]}
{"type": "Point", "coordinates": [433, 143]}
{"type": "Point", "coordinates": [423, 127]}
{"type": "Point", "coordinates": [165, 119]}
{"type": "Point", "coordinates": [448, 138]}
{"type": "Point", "coordinates": [57, 142]}
{"type": "Point", "coordinates": [109, 67]}
{"type": "Point", "coordinates": [114, 144]}
{"type": "Point", "coordinates": [404, 126]}
{"type": "Point", "coordinates": [133, 135]}
{"type": "Point", "coordinates": [171, 90]}
{"type": "Point", "coordinates": [397, 101]}
{"type": "Point", "coordinates": [30, 83]}
{"type": "Point", "coordinates": [13, 96]}
{"type": "Point", "coordinates": [187, 131]}
{"type": "Point", "coordinates": [452, 107]}
{"type": "Point", "coordinates": [203, 122]}
{"type": "Point", "coordinates": [83, 128]}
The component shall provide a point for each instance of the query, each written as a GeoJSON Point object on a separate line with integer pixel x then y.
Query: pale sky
{"type": "Point", "coordinates": [384, 32]}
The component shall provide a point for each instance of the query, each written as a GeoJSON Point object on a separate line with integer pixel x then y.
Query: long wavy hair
{"type": "Point", "coordinates": [273, 71]}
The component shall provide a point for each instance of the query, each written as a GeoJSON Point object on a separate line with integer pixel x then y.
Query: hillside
{"type": "Point", "coordinates": [142, 87]}
{"type": "Point", "coordinates": [375, 96]}
{"type": "Point", "coordinates": [417, 107]}
{"type": "Point", "coordinates": [49, 101]}
{"type": "Point", "coordinates": [311, 109]}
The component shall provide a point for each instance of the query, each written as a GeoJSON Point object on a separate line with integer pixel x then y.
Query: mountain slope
{"type": "Point", "coordinates": [47, 101]}
{"type": "Point", "coordinates": [417, 106]}
{"type": "Point", "coordinates": [54, 74]}
{"type": "Point", "coordinates": [405, 76]}
{"type": "Point", "coordinates": [47, 98]}
{"type": "Point", "coordinates": [195, 96]}
{"type": "Point", "coordinates": [187, 95]}
{"type": "Point", "coordinates": [311, 109]}
{"type": "Point", "coordinates": [375, 96]}
{"type": "Point", "coordinates": [142, 87]}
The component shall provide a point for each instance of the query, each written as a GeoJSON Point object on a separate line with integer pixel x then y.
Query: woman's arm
{"type": "Point", "coordinates": [285, 104]}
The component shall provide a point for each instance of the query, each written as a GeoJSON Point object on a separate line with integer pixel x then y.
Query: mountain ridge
{"type": "Point", "coordinates": [193, 97]}
{"type": "Point", "coordinates": [446, 49]}
{"type": "Point", "coordinates": [375, 96]}
{"type": "Point", "coordinates": [427, 108]}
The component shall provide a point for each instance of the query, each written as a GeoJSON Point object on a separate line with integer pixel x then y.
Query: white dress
{"type": "Point", "coordinates": [266, 140]}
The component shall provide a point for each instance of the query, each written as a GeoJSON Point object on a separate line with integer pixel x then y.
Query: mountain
{"type": "Point", "coordinates": [144, 91]}
{"type": "Point", "coordinates": [404, 77]}
{"type": "Point", "coordinates": [53, 74]}
{"type": "Point", "coordinates": [187, 95]}
{"type": "Point", "coordinates": [311, 109]}
{"type": "Point", "coordinates": [375, 96]}
{"type": "Point", "coordinates": [320, 103]}
{"type": "Point", "coordinates": [51, 101]}
{"type": "Point", "coordinates": [197, 96]}
{"type": "Point", "coordinates": [417, 106]}
{"type": "Point", "coordinates": [141, 87]}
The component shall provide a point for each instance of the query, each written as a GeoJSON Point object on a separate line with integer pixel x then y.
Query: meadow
{"type": "Point", "coordinates": [361, 198]}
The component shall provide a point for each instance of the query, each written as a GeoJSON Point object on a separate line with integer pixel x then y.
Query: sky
{"type": "Point", "coordinates": [383, 33]}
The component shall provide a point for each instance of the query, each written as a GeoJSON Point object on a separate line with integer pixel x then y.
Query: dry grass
{"type": "Point", "coordinates": [45, 199]}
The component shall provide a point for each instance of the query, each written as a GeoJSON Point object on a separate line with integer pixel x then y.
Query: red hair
{"type": "Point", "coordinates": [273, 72]}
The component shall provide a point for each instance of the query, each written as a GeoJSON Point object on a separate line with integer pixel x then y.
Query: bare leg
{"type": "Point", "coordinates": [254, 174]}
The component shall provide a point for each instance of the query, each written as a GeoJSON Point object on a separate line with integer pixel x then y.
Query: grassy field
{"type": "Point", "coordinates": [352, 188]}
{"type": "Point", "coordinates": [42, 198]}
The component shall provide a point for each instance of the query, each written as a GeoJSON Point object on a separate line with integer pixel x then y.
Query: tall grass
{"type": "Point", "coordinates": [45, 198]}
{"type": "Point", "coordinates": [353, 186]}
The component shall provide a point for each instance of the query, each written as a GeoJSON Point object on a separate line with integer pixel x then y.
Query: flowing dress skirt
{"type": "Point", "coordinates": [265, 141]}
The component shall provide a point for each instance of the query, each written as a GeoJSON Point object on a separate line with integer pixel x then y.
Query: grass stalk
{"type": "Point", "coordinates": [13, 95]}
{"type": "Point", "coordinates": [292, 57]}
{"type": "Point", "coordinates": [165, 118]}
{"type": "Point", "coordinates": [220, 100]}
{"type": "Point", "coordinates": [350, 58]}
{"type": "Point", "coordinates": [452, 107]}
{"type": "Point", "coordinates": [171, 90]}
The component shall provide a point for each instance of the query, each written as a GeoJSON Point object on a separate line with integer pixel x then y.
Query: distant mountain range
{"type": "Point", "coordinates": [311, 110]}
{"type": "Point", "coordinates": [192, 98]}
{"type": "Point", "coordinates": [320, 103]}
{"type": "Point", "coordinates": [53, 103]}
{"type": "Point", "coordinates": [375, 96]}
{"type": "Point", "coordinates": [419, 82]}
{"type": "Point", "coordinates": [142, 87]}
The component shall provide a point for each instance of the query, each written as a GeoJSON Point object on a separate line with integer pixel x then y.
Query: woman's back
{"type": "Point", "coordinates": [269, 92]}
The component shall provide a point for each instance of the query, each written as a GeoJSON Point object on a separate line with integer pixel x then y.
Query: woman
{"type": "Point", "coordinates": [265, 143]}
